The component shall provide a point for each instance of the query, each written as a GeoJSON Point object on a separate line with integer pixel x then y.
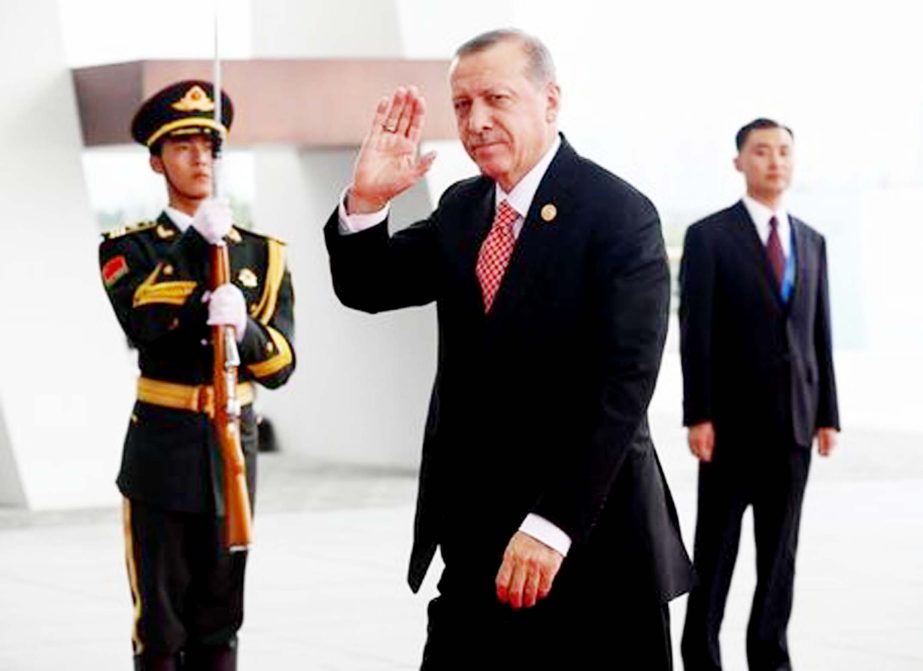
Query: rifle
{"type": "Point", "coordinates": [238, 529]}
{"type": "Point", "coordinates": [237, 514]}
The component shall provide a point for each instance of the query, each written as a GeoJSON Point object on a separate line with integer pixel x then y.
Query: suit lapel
{"type": "Point", "coordinates": [474, 230]}
{"type": "Point", "coordinates": [166, 229]}
{"type": "Point", "coordinates": [802, 257]}
{"type": "Point", "coordinates": [548, 213]}
{"type": "Point", "coordinates": [748, 238]}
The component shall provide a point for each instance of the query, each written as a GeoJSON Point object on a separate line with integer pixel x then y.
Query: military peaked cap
{"type": "Point", "coordinates": [183, 108]}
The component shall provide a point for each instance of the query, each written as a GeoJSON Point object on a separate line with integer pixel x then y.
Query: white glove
{"type": "Point", "coordinates": [227, 307]}
{"type": "Point", "coordinates": [213, 219]}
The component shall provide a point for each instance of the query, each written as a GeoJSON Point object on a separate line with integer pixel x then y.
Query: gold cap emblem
{"type": "Point", "coordinates": [549, 212]}
{"type": "Point", "coordinates": [195, 100]}
{"type": "Point", "coordinates": [247, 278]}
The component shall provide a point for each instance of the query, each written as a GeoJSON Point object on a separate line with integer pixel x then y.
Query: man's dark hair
{"type": "Point", "coordinates": [758, 124]}
{"type": "Point", "coordinates": [539, 65]}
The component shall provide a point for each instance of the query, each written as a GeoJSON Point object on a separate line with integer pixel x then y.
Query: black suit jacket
{"type": "Point", "coordinates": [539, 406]}
{"type": "Point", "coordinates": [753, 365]}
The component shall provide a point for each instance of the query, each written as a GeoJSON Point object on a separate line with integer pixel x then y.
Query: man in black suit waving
{"type": "Point", "coordinates": [539, 480]}
{"type": "Point", "coordinates": [758, 389]}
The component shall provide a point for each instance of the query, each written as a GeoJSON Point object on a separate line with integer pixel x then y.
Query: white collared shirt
{"type": "Point", "coordinates": [761, 214]}
{"type": "Point", "coordinates": [520, 199]}
{"type": "Point", "coordinates": [523, 193]}
{"type": "Point", "coordinates": [181, 219]}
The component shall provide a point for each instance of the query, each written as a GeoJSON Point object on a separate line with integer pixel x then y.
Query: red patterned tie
{"type": "Point", "coordinates": [495, 253]}
{"type": "Point", "coordinates": [774, 250]}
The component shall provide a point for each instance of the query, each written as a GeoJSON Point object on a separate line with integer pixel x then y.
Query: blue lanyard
{"type": "Point", "coordinates": [788, 277]}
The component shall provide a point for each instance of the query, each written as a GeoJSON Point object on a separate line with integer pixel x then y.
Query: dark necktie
{"type": "Point", "coordinates": [495, 253]}
{"type": "Point", "coordinates": [774, 250]}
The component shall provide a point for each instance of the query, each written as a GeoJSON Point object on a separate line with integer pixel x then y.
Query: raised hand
{"type": "Point", "coordinates": [388, 162]}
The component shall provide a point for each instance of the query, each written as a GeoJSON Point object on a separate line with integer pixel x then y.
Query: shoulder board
{"type": "Point", "coordinates": [245, 232]}
{"type": "Point", "coordinates": [125, 230]}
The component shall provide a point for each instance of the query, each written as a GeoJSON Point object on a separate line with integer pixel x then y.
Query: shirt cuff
{"type": "Point", "coordinates": [354, 223]}
{"type": "Point", "coordinates": [545, 532]}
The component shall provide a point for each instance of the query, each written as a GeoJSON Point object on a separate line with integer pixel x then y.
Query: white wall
{"type": "Point", "coordinates": [65, 387]}
{"type": "Point", "coordinates": [362, 382]}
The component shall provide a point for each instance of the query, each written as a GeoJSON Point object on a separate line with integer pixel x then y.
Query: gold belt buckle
{"type": "Point", "coordinates": [205, 399]}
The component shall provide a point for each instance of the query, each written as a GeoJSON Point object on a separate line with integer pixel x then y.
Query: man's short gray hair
{"type": "Point", "coordinates": [539, 65]}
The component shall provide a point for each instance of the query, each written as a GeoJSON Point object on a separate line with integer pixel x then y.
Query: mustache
{"type": "Point", "coordinates": [475, 141]}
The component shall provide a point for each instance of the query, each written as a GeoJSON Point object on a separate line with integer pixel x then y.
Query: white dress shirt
{"type": "Point", "coordinates": [520, 199]}
{"type": "Point", "coordinates": [761, 214]}
{"type": "Point", "coordinates": [181, 219]}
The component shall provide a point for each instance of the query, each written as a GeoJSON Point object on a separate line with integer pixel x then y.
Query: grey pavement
{"type": "Point", "coordinates": [326, 583]}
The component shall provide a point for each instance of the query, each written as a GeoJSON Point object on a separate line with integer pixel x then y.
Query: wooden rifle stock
{"type": "Point", "coordinates": [237, 514]}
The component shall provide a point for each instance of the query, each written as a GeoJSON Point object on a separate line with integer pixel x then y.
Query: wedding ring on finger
{"type": "Point", "coordinates": [389, 128]}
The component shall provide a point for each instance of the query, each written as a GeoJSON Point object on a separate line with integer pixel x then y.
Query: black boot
{"type": "Point", "coordinates": [146, 662]}
{"type": "Point", "coordinates": [211, 658]}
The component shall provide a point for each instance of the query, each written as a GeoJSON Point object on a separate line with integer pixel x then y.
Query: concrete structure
{"type": "Point", "coordinates": [65, 386]}
{"type": "Point", "coordinates": [362, 388]}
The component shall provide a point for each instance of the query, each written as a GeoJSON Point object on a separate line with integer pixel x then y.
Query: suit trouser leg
{"type": "Point", "coordinates": [776, 520]}
{"type": "Point", "coordinates": [565, 631]}
{"type": "Point", "coordinates": [722, 499]}
{"type": "Point", "coordinates": [187, 590]}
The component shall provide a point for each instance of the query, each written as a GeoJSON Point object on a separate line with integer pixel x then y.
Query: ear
{"type": "Point", "coordinates": [553, 101]}
{"type": "Point", "coordinates": [737, 164]}
{"type": "Point", "coordinates": [156, 164]}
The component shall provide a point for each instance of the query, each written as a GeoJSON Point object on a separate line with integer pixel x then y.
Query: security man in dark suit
{"type": "Point", "coordinates": [186, 587]}
{"type": "Point", "coordinates": [539, 479]}
{"type": "Point", "coordinates": [759, 388]}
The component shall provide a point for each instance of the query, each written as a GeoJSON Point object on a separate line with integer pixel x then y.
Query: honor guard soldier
{"type": "Point", "coordinates": [187, 587]}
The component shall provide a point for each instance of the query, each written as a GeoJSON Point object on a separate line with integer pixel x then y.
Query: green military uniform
{"type": "Point", "coordinates": [187, 588]}
{"type": "Point", "coordinates": [156, 277]}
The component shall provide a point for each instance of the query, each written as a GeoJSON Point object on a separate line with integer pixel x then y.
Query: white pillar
{"type": "Point", "coordinates": [361, 390]}
{"type": "Point", "coordinates": [65, 380]}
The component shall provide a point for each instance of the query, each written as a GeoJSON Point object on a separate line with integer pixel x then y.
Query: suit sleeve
{"type": "Point", "coordinates": [373, 271]}
{"type": "Point", "coordinates": [632, 290]}
{"type": "Point", "coordinates": [267, 351]}
{"type": "Point", "coordinates": [827, 410]}
{"type": "Point", "coordinates": [153, 295]}
{"type": "Point", "coordinates": [697, 290]}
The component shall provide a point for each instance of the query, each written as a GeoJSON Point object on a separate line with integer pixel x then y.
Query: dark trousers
{"type": "Point", "coordinates": [773, 482]}
{"type": "Point", "coordinates": [186, 588]}
{"type": "Point", "coordinates": [468, 629]}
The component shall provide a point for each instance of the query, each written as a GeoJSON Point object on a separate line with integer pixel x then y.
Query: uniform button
{"type": "Point", "coordinates": [168, 269]}
{"type": "Point", "coordinates": [270, 348]}
{"type": "Point", "coordinates": [204, 341]}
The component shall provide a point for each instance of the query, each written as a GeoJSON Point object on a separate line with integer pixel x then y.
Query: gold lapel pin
{"type": "Point", "coordinates": [247, 278]}
{"type": "Point", "coordinates": [163, 232]}
{"type": "Point", "coordinates": [549, 212]}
